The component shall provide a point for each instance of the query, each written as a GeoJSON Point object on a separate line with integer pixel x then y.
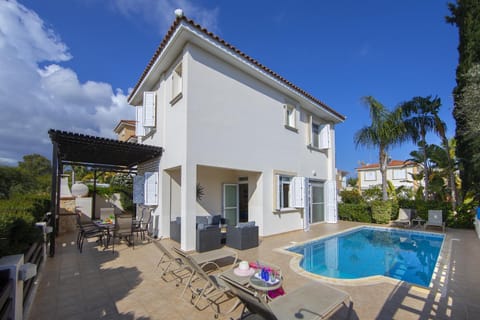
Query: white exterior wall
{"type": "Point", "coordinates": [232, 118]}
{"type": "Point", "coordinates": [231, 123]}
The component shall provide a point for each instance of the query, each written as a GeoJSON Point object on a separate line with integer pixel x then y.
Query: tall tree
{"type": "Point", "coordinates": [386, 130]}
{"type": "Point", "coordinates": [419, 116]}
{"type": "Point", "coordinates": [441, 129]}
{"type": "Point", "coordinates": [465, 14]}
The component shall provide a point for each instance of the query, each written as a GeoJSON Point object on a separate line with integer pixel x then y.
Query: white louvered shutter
{"type": "Point", "coordinates": [151, 188]}
{"type": "Point", "coordinates": [297, 192]}
{"type": "Point", "coordinates": [138, 189]}
{"type": "Point", "coordinates": [331, 196]}
{"type": "Point", "coordinates": [149, 108]}
{"type": "Point", "coordinates": [324, 138]}
{"type": "Point", "coordinates": [139, 128]}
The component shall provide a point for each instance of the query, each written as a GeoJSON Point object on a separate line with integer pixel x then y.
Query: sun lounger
{"type": "Point", "coordinates": [312, 301]}
{"type": "Point", "coordinates": [404, 216]}
{"type": "Point", "coordinates": [435, 219]}
{"type": "Point", "coordinates": [214, 291]}
{"type": "Point", "coordinates": [170, 265]}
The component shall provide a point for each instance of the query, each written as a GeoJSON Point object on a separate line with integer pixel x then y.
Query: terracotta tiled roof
{"type": "Point", "coordinates": [192, 23]}
{"type": "Point", "coordinates": [392, 163]}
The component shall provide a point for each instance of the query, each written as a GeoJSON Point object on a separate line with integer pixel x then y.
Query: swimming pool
{"type": "Point", "coordinates": [406, 255]}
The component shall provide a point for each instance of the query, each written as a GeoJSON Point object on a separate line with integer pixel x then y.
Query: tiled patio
{"type": "Point", "coordinates": [99, 284]}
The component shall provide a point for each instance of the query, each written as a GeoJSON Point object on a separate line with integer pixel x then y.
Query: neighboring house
{"type": "Point", "coordinates": [398, 172]}
{"type": "Point", "coordinates": [235, 135]}
{"type": "Point", "coordinates": [341, 178]}
{"type": "Point", "coordinates": [125, 131]}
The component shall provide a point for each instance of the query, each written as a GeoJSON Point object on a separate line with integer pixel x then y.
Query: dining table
{"type": "Point", "coordinates": [108, 227]}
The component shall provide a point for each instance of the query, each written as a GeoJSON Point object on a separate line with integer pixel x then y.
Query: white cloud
{"type": "Point", "coordinates": [35, 98]}
{"type": "Point", "coordinates": [160, 14]}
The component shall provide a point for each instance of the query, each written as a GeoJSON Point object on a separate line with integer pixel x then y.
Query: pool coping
{"type": "Point", "coordinates": [438, 274]}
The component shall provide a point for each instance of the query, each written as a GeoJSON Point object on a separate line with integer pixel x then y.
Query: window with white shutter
{"type": "Point", "coordinates": [177, 82]}
{"type": "Point", "coordinates": [320, 136]}
{"type": "Point", "coordinates": [149, 108]}
{"type": "Point", "coordinates": [139, 128]}
{"type": "Point", "coordinates": [324, 137]}
{"type": "Point", "coordinates": [283, 192]}
{"type": "Point", "coordinates": [151, 188]}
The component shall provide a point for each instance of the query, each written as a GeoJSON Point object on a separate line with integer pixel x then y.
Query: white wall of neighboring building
{"type": "Point", "coordinates": [404, 179]}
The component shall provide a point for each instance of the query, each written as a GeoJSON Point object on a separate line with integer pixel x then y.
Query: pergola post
{"type": "Point", "coordinates": [53, 198]}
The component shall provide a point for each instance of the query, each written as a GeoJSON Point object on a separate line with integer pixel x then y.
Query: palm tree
{"type": "Point", "coordinates": [441, 129]}
{"type": "Point", "coordinates": [386, 130]}
{"type": "Point", "coordinates": [419, 119]}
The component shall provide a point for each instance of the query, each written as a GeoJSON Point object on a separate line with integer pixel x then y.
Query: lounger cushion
{"type": "Point", "coordinates": [318, 298]}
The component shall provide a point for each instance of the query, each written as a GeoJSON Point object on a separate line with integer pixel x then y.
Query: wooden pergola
{"type": "Point", "coordinates": [94, 152]}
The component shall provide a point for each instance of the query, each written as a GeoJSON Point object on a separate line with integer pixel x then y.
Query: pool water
{"type": "Point", "coordinates": [406, 255]}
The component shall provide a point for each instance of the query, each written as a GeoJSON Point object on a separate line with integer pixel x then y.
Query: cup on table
{"type": "Point", "coordinates": [244, 265]}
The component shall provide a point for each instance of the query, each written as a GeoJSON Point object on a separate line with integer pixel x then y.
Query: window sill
{"type": "Point", "coordinates": [291, 128]}
{"type": "Point", "coordinates": [309, 146]}
{"type": "Point", "coordinates": [286, 210]}
{"type": "Point", "coordinates": [175, 99]}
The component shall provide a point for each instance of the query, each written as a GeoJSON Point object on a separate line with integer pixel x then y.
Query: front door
{"type": "Point", "coordinates": [317, 202]}
{"type": "Point", "coordinates": [230, 203]}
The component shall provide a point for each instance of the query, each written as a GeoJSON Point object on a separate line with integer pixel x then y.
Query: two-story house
{"type": "Point", "coordinates": [125, 130]}
{"type": "Point", "coordinates": [398, 172]}
{"type": "Point", "coordinates": [235, 135]}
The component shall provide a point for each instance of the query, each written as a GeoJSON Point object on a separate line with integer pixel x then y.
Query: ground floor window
{"type": "Point", "coordinates": [283, 191]}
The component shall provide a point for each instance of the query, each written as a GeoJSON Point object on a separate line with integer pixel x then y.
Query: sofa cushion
{"type": "Point", "coordinates": [246, 224]}
{"type": "Point", "coordinates": [201, 219]}
{"type": "Point", "coordinates": [216, 219]}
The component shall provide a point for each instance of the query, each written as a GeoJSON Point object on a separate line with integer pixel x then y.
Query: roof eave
{"type": "Point", "coordinates": [174, 36]}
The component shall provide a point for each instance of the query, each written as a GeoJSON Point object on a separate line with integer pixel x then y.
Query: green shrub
{"type": "Point", "coordinates": [351, 196]}
{"type": "Point", "coordinates": [17, 232]}
{"type": "Point", "coordinates": [35, 205]}
{"type": "Point", "coordinates": [465, 214]}
{"type": "Point", "coordinates": [354, 212]}
{"type": "Point", "coordinates": [381, 211]}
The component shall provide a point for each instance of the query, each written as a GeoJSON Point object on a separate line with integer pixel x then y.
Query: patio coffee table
{"type": "Point", "coordinates": [417, 222]}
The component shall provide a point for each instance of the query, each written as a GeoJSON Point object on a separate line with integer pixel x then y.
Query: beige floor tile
{"type": "Point", "coordinates": [98, 284]}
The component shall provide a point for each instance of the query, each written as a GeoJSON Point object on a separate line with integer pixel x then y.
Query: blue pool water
{"type": "Point", "coordinates": [401, 254]}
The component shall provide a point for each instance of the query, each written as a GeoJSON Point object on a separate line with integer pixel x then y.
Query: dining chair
{"type": "Point", "coordinates": [87, 229]}
{"type": "Point", "coordinates": [142, 227]}
{"type": "Point", "coordinates": [123, 229]}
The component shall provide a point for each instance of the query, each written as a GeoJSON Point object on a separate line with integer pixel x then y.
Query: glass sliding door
{"type": "Point", "coordinates": [230, 203]}
{"type": "Point", "coordinates": [317, 202]}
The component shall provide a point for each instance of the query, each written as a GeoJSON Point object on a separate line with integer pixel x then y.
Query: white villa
{"type": "Point", "coordinates": [238, 139]}
{"type": "Point", "coordinates": [398, 172]}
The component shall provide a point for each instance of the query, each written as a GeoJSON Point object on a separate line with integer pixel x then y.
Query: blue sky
{"type": "Point", "coordinates": [70, 64]}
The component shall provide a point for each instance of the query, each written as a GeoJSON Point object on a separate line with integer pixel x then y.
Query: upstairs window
{"type": "Point", "coordinates": [319, 135]}
{"type": "Point", "coordinates": [139, 128]}
{"type": "Point", "coordinates": [290, 117]}
{"type": "Point", "coordinates": [177, 83]}
{"type": "Point", "coordinates": [370, 176]}
{"type": "Point", "coordinates": [399, 174]}
{"type": "Point", "coordinates": [149, 108]}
